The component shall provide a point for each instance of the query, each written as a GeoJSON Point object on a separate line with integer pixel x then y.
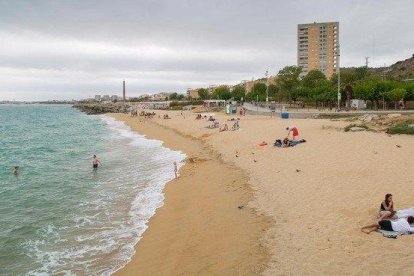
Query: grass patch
{"type": "Point", "coordinates": [335, 115]}
{"type": "Point", "coordinates": [402, 128]}
{"type": "Point", "coordinates": [348, 127]}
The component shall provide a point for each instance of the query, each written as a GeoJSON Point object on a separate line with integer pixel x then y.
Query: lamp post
{"type": "Point", "coordinates": [338, 70]}
{"type": "Point", "coordinates": [267, 91]}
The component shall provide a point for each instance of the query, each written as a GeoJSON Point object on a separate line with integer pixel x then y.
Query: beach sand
{"type": "Point", "coordinates": [200, 230]}
{"type": "Point", "coordinates": [317, 194]}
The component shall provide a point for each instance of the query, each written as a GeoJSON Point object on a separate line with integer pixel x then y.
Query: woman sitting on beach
{"type": "Point", "coordinates": [235, 126]}
{"type": "Point", "coordinates": [225, 128]}
{"type": "Point", "coordinates": [387, 208]}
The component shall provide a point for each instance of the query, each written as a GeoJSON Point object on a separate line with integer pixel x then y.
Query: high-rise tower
{"type": "Point", "coordinates": [318, 46]}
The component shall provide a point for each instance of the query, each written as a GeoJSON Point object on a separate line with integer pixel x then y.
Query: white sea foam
{"type": "Point", "coordinates": [99, 229]}
{"type": "Point", "coordinates": [150, 198]}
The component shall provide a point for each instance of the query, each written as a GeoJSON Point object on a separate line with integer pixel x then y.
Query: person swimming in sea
{"type": "Point", "coordinates": [95, 162]}
{"type": "Point", "coordinates": [16, 170]}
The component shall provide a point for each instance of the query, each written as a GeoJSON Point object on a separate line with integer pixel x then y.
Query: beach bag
{"type": "Point", "coordinates": [278, 143]}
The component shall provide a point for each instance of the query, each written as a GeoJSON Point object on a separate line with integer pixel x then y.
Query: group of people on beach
{"type": "Point", "coordinates": [389, 220]}
{"type": "Point", "coordinates": [286, 142]}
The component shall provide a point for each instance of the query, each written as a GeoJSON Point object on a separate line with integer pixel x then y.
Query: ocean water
{"type": "Point", "coordinates": [59, 216]}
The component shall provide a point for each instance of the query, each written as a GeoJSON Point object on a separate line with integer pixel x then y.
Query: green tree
{"type": "Point", "coordinates": [288, 79]}
{"type": "Point", "coordinates": [361, 73]}
{"type": "Point", "coordinates": [396, 95]}
{"type": "Point", "coordinates": [176, 97]}
{"type": "Point", "coordinates": [313, 79]}
{"type": "Point", "coordinates": [366, 90]}
{"type": "Point", "coordinates": [409, 87]}
{"type": "Point", "coordinates": [239, 92]}
{"type": "Point", "coordinates": [314, 87]}
{"type": "Point", "coordinates": [273, 90]}
{"type": "Point", "coordinates": [258, 91]}
{"type": "Point", "coordinates": [203, 94]}
{"type": "Point", "coordinates": [222, 93]}
{"type": "Point", "coordinates": [173, 96]}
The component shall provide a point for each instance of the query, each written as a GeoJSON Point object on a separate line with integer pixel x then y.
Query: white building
{"type": "Point", "coordinates": [160, 96]}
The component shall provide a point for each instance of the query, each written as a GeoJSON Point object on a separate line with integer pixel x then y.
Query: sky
{"type": "Point", "coordinates": [76, 49]}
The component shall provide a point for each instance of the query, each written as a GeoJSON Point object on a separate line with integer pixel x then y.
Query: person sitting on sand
{"type": "Point", "coordinates": [225, 128]}
{"type": "Point", "coordinates": [402, 226]}
{"type": "Point", "coordinates": [387, 208]}
{"type": "Point", "coordinates": [233, 119]}
{"type": "Point", "coordinates": [286, 143]}
{"type": "Point", "coordinates": [235, 126]}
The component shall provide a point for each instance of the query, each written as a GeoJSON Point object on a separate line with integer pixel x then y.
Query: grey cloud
{"type": "Point", "coordinates": [79, 47]}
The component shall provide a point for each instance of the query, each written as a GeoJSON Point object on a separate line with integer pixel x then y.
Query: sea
{"type": "Point", "coordinates": [58, 215]}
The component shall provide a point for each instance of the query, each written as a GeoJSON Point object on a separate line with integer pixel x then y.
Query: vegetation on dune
{"type": "Point", "coordinates": [406, 127]}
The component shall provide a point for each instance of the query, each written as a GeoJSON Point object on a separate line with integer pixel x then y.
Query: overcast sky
{"type": "Point", "coordinates": [76, 49]}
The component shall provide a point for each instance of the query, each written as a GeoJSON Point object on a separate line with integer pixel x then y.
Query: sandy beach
{"type": "Point", "coordinates": [200, 230]}
{"type": "Point", "coordinates": [305, 203]}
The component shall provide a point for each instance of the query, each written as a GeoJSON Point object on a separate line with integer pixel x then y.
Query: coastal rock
{"type": "Point", "coordinates": [98, 108]}
{"type": "Point", "coordinates": [368, 118]}
{"type": "Point", "coordinates": [355, 129]}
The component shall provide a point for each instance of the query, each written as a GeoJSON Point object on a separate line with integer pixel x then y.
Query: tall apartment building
{"type": "Point", "coordinates": [318, 47]}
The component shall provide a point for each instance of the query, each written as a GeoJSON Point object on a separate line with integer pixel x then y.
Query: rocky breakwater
{"type": "Point", "coordinates": [101, 108]}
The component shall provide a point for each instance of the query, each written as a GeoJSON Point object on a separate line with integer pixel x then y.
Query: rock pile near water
{"type": "Point", "coordinates": [98, 108]}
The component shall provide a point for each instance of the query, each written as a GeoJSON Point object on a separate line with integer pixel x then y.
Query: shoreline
{"type": "Point", "coordinates": [199, 229]}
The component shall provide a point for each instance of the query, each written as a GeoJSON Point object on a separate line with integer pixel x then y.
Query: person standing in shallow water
{"type": "Point", "coordinates": [16, 170]}
{"type": "Point", "coordinates": [95, 162]}
{"type": "Point", "coordinates": [175, 169]}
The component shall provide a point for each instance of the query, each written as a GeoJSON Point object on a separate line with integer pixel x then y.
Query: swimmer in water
{"type": "Point", "coordinates": [95, 162]}
{"type": "Point", "coordinates": [16, 170]}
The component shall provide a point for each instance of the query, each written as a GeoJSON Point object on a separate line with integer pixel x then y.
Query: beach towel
{"type": "Point", "coordinates": [389, 234]}
{"type": "Point", "coordinates": [278, 143]}
{"type": "Point", "coordinates": [405, 213]}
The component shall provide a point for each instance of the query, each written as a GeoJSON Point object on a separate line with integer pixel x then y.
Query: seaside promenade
{"type": "Point", "coordinates": [317, 195]}
{"type": "Point", "coordinates": [304, 113]}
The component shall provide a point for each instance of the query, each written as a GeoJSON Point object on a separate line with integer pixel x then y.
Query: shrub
{"type": "Point", "coordinates": [348, 127]}
{"type": "Point", "coordinates": [402, 128]}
